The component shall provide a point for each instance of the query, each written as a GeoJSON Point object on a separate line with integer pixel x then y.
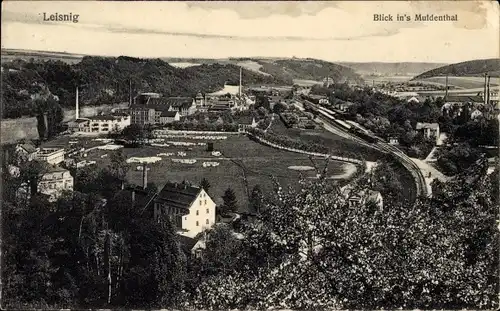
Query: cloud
{"type": "Point", "coordinates": [342, 31]}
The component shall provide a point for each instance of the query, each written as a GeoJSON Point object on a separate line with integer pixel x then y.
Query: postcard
{"type": "Point", "coordinates": [253, 155]}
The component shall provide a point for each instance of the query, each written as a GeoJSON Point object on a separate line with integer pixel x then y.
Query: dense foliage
{"type": "Point", "coordinates": [309, 250]}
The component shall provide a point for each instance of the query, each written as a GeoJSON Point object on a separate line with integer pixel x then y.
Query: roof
{"type": "Point", "coordinates": [106, 117]}
{"type": "Point", "coordinates": [30, 148]}
{"type": "Point", "coordinates": [464, 99]}
{"type": "Point", "coordinates": [153, 103]}
{"type": "Point", "coordinates": [184, 102]}
{"type": "Point", "coordinates": [170, 114]}
{"type": "Point", "coordinates": [142, 197]}
{"type": "Point", "coordinates": [434, 126]}
{"type": "Point", "coordinates": [178, 195]}
{"type": "Point", "coordinates": [186, 243]}
{"type": "Point", "coordinates": [55, 169]}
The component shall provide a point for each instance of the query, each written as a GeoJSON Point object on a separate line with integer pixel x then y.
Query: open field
{"type": "Point", "coordinates": [239, 154]}
{"type": "Point", "coordinates": [334, 142]}
{"type": "Point", "coordinates": [183, 65]}
{"type": "Point", "coordinates": [253, 66]}
{"type": "Point", "coordinates": [69, 58]}
{"type": "Point", "coordinates": [461, 82]}
{"type": "Point", "coordinates": [321, 136]}
{"type": "Point", "coordinates": [385, 79]}
{"type": "Point", "coordinates": [302, 82]}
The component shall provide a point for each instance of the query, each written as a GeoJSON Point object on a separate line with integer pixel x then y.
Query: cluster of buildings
{"type": "Point", "coordinates": [54, 180]}
{"type": "Point", "coordinates": [96, 125]}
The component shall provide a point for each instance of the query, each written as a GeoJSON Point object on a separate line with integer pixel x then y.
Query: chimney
{"type": "Point", "coordinates": [133, 196]}
{"type": "Point", "coordinates": [46, 125]}
{"type": "Point", "coordinates": [130, 92]}
{"type": "Point", "coordinates": [144, 176]}
{"type": "Point", "coordinates": [240, 83]}
{"type": "Point", "coordinates": [488, 91]}
{"type": "Point", "coordinates": [77, 108]}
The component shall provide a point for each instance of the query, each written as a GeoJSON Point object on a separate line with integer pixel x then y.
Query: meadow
{"type": "Point", "coordinates": [241, 159]}
{"type": "Point", "coordinates": [461, 82]}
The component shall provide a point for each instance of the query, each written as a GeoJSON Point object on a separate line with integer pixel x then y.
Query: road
{"type": "Point", "coordinates": [407, 162]}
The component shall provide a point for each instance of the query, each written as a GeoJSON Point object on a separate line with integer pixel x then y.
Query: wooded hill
{"type": "Point", "coordinates": [105, 80]}
{"type": "Point", "coordinates": [470, 68]}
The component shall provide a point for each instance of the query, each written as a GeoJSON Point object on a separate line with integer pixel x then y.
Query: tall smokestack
{"type": "Point", "coordinates": [485, 90]}
{"type": "Point", "coordinates": [144, 176]}
{"type": "Point", "coordinates": [446, 92]}
{"type": "Point", "coordinates": [46, 125]}
{"type": "Point", "coordinates": [240, 83]}
{"type": "Point", "coordinates": [77, 108]}
{"type": "Point", "coordinates": [130, 92]}
{"type": "Point", "coordinates": [488, 91]}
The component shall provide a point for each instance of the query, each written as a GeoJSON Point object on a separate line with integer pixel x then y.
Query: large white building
{"type": "Point", "coordinates": [52, 156]}
{"type": "Point", "coordinates": [52, 183]}
{"type": "Point", "coordinates": [189, 208]}
{"type": "Point", "coordinates": [102, 124]}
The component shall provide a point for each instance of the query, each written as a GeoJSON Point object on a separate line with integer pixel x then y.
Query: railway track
{"type": "Point", "coordinates": [328, 124]}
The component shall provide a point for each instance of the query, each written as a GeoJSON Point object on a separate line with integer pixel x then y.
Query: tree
{"type": "Point", "coordinates": [230, 203]}
{"type": "Point", "coordinates": [256, 199]}
{"type": "Point", "coordinates": [31, 173]}
{"type": "Point", "coordinates": [205, 184]}
{"type": "Point", "coordinates": [119, 166]}
{"type": "Point", "coordinates": [279, 107]}
{"type": "Point", "coordinates": [135, 133]}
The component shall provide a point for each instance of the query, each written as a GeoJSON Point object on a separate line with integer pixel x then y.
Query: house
{"type": "Point", "coordinates": [189, 208]}
{"type": "Point", "coordinates": [476, 113]}
{"type": "Point", "coordinates": [362, 196]}
{"type": "Point", "coordinates": [429, 130]}
{"type": "Point", "coordinates": [168, 117]}
{"type": "Point", "coordinates": [26, 151]}
{"type": "Point", "coordinates": [186, 106]}
{"type": "Point", "coordinates": [52, 183]}
{"type": "Point", "coordinates": [342, 106]}
{"type": "Point", "coordinates": [52, 156]}
{"type": "Point", "coordinates": [393, 141]}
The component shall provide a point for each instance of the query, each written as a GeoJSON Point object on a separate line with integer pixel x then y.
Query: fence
{"type": "Point", "coordinates": [316, 154]}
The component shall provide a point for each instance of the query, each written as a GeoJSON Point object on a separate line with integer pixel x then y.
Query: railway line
{"type": "Point", "coordinates": [327, 118]}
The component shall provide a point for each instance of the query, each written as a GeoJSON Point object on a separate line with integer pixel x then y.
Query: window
{"type": "Point", "coordinates": [200, 202]}
{"type": "Point", "coordinates": [208, 211]}
{"type": "Point", "coordinates": [197, 213]}
{"type": "Point", "coordinates": [207, 222]}
{"type": "Point", "coordinates": [197, 224]}
{"type": "Point", "coordinates": [205, 202]}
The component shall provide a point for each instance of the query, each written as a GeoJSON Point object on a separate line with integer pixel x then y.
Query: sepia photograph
{"type": "Point", "coordinates": [253, 155]}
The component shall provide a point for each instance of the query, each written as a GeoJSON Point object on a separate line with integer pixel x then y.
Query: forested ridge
{"type": "Point", "coordinates": [470, 68]}
{"type": "Point", "coordinates": [106, 80]}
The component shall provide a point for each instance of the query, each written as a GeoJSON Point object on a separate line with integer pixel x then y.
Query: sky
{"type": "Point", "coordinates": [333, 31]}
